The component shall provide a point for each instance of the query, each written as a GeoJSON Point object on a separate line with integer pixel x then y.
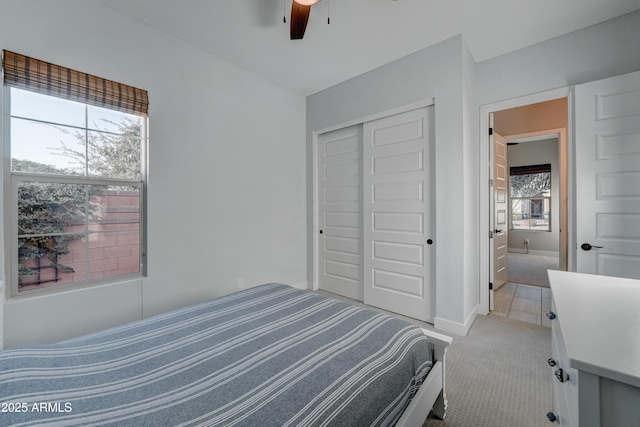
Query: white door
{"type": "Point", "coordinates": [398, 234]}
{"type": "Point", "coordinates": [608, 176]}
{"type": "Point", "coordinates": [500, 229]}
{"type": "Point", "coordinates": [339, 212]}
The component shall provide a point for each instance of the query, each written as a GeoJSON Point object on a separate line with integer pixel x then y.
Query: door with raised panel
{"type": "Point", "coordinates": [399, 241]}
{"type": "Point", "coordinates": [501, 226]}
{"type": "Point", "coordinates": [339, 212]}
{"type": "Point", "coordinates": [607, 144]}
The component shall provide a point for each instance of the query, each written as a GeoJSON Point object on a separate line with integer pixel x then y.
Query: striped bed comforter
{"type": "Point", "coordinates": [271, 355]}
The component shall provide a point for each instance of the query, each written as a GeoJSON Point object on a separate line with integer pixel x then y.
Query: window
{"type": "Point", "coordinates": [530, 190]}
{"type": "Point", "coordinates": [77, 147]}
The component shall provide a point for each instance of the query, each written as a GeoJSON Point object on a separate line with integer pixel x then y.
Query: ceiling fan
{"type": "Point", "coordinates": [299, 16]}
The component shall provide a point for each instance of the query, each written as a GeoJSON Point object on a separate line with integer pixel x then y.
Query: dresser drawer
{"type": "Point", "coordinates": [559, 390]}
{"type": "Point", "coordinates": [565, 394]}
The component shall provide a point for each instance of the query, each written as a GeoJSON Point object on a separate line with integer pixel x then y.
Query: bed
{"type": "Point", "coordinates": [271, 355]}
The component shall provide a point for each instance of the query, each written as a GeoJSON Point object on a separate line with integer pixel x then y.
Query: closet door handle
{"type": "Point", "coordinates": [561, 375]}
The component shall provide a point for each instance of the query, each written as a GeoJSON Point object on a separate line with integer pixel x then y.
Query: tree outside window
{"type": "Point", "coordinates": [78, 185]}
{"type": "Point", "coordinates": [530, 193]}
{"type": "Point", "coordinates": [77, 144]}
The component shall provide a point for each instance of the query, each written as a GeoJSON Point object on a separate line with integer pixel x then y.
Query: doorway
{"type": "Point", "coordinates": [535, 129]}
{"type": "Point", "coordinates": [603, 177]}
{"type": "Point", "coordinates": [533, 225]}
{"type": "Point", "coordinates": [533, 207]}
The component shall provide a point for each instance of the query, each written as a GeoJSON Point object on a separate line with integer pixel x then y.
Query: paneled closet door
{"type": "Point", "coordinates": [399, 244]}
{"type": "Point", "coordinates": [339, 212]}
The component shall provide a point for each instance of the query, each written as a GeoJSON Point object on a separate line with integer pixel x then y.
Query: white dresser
{"type": "Point", "coordinates": [595, 350]}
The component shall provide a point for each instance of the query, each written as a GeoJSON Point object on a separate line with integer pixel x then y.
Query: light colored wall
{"type": "Point", "coordinates": [604, 50]}
{"type": "Point", "coordinates": [436, 72]}
{"type": "Point", "coordinates": [471, 196]}
{"type": "Point", "coordinates": [202, 140]}
{"type": "Point", "coordinates": [226, 193]}
{"type": "Point", "coordinates": [442, 71]}
{"type": "Point", "coordinates": [532, 118]}
{"type": "Point", "coordinates": [536, 153]}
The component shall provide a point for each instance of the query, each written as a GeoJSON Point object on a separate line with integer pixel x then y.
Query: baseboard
{"type": "Point", "coordinates": [456, 328]}
{"type": "Point", "coordinates": [533, 252]}
{"type": "Point", "coordinates": [302, 285]}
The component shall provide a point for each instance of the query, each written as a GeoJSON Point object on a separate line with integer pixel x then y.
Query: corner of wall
{"type": "Point", "coordinates": [456, 328]}
{"type": "Point", "coordinates": [303, 285]}
{"type": "Point", "coordinates": [472, 191]}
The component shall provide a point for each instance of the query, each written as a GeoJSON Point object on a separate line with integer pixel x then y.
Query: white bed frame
{"type": "Point", "coordinates": [431, 395]}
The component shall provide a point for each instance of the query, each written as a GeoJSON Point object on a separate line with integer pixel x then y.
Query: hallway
{"type": "Point", "coordinates": [526, 296]}
{"type": "Point", "coordinates": [520, 301]}
{"type": "Point", "coordinates": [530, 269]}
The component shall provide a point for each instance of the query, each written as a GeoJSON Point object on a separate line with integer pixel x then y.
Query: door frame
{"type": "Point", "coordinates": [485, 172]}
{"type": "Point", "coordinates": [314, 150]}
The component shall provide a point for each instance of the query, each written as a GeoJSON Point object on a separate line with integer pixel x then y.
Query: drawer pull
{"type": "Point", "coordinates": [551, 417]}
{"type": "Point", "coordinates": [551, 315]}
{"type": "Point", "coordinates": [561, 375]}
{"type": "Point", "coordinates": [551, 362]}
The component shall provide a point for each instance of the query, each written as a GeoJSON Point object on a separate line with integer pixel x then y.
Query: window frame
{"type": "Point", "coordinates": [12, 180]}
{"type": "Point", "coordinates": [530, 199]}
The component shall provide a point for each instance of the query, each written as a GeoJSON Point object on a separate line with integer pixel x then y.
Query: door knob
{"type": "Point", "coordinates": [588, 246]}
{"type": "Point", "coordinates": [498, 230]}
{"type": "Point", "coordinates": [561, 375]}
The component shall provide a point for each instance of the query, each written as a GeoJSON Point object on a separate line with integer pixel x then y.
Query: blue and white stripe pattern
{"type": "Point", "coordinates": [271, 355]}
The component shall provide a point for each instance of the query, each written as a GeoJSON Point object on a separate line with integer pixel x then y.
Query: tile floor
{"type": "Point", "coordinates": [527, 303]}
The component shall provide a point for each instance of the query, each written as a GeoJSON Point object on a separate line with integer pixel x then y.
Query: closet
{"type": "Point", "coordinates": [376, 233]}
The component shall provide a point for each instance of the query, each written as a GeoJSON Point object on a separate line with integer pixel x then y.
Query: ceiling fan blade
{"type": "Point", "coordinates": [299, 18]}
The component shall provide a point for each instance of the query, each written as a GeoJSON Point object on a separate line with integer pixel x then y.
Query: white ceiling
{"type": "Point", "coordinates": [363, 34]}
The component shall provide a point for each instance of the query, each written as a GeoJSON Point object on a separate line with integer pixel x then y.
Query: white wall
{"type": "Point", "coordinates": [537, 153]}
{"type": "Point", "coordinates": [470, 172]}
{"type": "Point", "coordinates": [445, 71]}
{"type": "Point", "coordinates": [226, 194]}
{"type": "Point", "coordinates": [213, 124]}
{"type": "Point", "coordinates": [436, 72]}
{"type": "Point", "coordinates": [604, 50]}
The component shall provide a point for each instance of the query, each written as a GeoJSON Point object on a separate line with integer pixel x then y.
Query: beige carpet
{"type": "Point", "coordinates": [530, 269]}
{"type": "Point", "coordinates": [497, 376]}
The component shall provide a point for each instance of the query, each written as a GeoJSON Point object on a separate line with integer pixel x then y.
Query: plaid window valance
{"type": "Point", "coordinates": [23, 72]}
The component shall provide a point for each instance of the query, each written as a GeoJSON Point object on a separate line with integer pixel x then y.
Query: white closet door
{"type": "Point", "coordinates": [397, 221]}
{"type": "Point", "coordinates": [339, 212]}
{"type": "Point", "coordinates": [608, 176]}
